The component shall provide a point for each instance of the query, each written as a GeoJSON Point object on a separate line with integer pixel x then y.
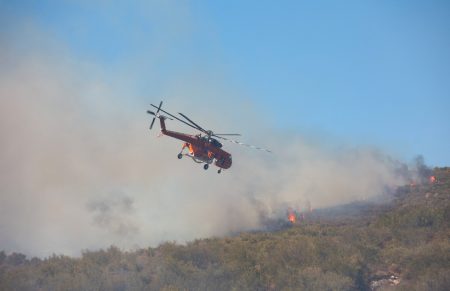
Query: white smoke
{"type": "Point", "coordinates": [80, 170]}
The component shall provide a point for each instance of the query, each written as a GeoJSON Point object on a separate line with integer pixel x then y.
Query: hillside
{"type": "Point", "coordinates": [403, 245]}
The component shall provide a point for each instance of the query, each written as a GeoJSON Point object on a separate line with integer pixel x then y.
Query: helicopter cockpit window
{"type": "Point", "coordinates": [216, 143]}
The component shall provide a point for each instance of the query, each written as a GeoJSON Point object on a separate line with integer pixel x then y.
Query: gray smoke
{"type": "Point", "coordinates": [114, 214]}
{"type": "Point", "coordinates": [80, 170]}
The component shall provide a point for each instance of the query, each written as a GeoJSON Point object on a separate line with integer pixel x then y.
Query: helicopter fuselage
{"type": "Point", "coordinates": [201, 148]}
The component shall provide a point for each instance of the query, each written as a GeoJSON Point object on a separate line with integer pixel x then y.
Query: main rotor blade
{"type": "Point", "coordinates": [180, 120]}
{"type": "Point", "coordinates": [235, 134]}
{"type": "Point", "coordinates": [244, 144]}
{"type": "Point", "coordinates": [198, 126]}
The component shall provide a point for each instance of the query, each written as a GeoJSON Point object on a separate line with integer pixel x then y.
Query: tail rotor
{"type": "Point", "coordinates": [154, 114]}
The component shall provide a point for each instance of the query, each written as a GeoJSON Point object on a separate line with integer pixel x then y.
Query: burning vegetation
{"type": "Point", "coordinates": [404, 244]}
{"type": "Point", "coordinates": [296, 217]}
{"type": "Point", "coordinates": [292, 217]}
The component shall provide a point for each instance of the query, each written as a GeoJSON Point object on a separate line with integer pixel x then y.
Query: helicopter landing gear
{"type": "Point", "coordinates": [180, 156]}
{"type": "Point", "coordinates": [219, 171]}
{"type": "Point", "coordinates": [205, 166]}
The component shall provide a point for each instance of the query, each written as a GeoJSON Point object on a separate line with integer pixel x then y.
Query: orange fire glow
{"type": "Point", "coordinates": [432, 179]}
{"type": "Point", "coordinates": [291, 217]}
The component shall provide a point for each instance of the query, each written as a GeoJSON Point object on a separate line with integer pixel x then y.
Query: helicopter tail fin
{"type": "Point", "coordinates": [162, 123]}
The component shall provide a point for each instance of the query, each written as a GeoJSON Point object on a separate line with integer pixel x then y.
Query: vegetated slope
{"type": "Point", "coordinates": [404, 246]}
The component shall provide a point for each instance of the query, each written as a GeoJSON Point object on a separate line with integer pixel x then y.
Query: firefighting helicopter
{"type": "Point", "coordinates": [204, 149]}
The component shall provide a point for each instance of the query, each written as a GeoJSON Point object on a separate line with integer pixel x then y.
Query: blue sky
{"type": "Point", "coordinates": [364, 72]}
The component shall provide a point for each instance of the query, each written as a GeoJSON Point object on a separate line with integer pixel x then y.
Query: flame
{"type": "Point", "coordinates": [291, 217]}
{"type": "Point", "coordinates": [432, 179]}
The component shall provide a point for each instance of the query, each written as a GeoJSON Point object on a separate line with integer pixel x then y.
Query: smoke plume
{"type": "Point", "coordinates": [112, 213]}
{"type": "Point", "coordinates": [80, 170]}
